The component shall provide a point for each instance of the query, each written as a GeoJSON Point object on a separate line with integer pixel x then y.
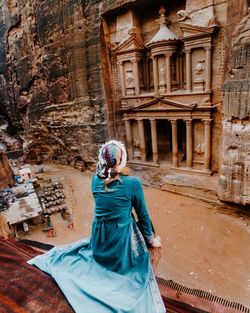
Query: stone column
{"type": "Point", "coordinates": [181, 71]}
{"type": "Point", "coordinates": [208, 69]}
{"type": "Point", "coordinates": [142, 140]}
{"type": "Point", "coordinates": [136, 75]}
{"type": "Point", "coordinates": [154, 140]}
{"type": "Point", "coordinates": [188, 71]}
{"type": "Point", "coordinates": [207, 152]}
{"type": "Point", "coordinates": [122, 79]}
{"type": "Point", "coordinates": [155, 73]}
{"type": "Point", "coordinates": [174, 143]}
{"type": "Point", "coordinates": [147, 74]}
{"type": "Point", "coordinates": [129, 139]}
{"type": "Point", "coordinates": [189, 134]}
{"type": "Point", "coordinates": [178, 70]}
{"type": "Point", "coordinates": [168, 69]}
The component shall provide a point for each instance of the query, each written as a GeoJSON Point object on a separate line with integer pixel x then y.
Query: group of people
{"type": "Point", "coordinates": [110, 272]}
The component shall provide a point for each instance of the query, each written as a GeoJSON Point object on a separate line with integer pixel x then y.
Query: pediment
{"type": "Point", "coordinates": [194, 30]}
{"type": "Point", "coordinates": [131, 44]}
{"type": "Point", "coordinates": [164, 105]}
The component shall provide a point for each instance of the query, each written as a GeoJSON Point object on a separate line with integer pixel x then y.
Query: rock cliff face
{"type": "Point", "coordinates": [50, 83]}
{"type": "Point", "coordinates": [5, 172]}
{"type": "Point", "coordinates": [234, 182]}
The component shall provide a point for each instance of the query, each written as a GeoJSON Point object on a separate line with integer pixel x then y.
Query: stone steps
{"type": "Point", "coordinates": [197, 193]}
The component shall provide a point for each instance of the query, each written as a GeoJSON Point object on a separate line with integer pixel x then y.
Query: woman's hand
{"type": "Point", "coordinates": [156, 242]}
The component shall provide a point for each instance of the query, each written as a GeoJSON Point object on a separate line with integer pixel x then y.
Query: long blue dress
{"type": "Point", "coordinates": [111, 272]}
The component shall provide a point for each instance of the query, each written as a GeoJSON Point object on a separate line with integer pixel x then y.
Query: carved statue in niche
{"type": "Point", "coordinates": [162, 73]}
{"type": "Point", "coordinates": [199, 149]}
{"type": "Point", "coordinates": [199, 70]}
{"type": "Point", "coordinates": [198, 83]}
{"type": "Point", "coordinates": [136, 148]}
{"type": "Point", "coordinates": [129, 78]}
{"type": "Point", "coordinates": [130, 82]}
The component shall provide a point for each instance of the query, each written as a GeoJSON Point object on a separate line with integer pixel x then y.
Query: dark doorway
{"type": "Point", "coordinates": [164, 139]}
{"type": "Point", "coordinates": [148, 140]}
{"type": "Point", "coordinates": [182, 149]}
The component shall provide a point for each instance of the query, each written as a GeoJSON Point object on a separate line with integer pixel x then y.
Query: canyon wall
{"type": "Point", "coordinates": [5, 172]}
{"type": "Point", "coordinates": [50, 83]}
{"type": "Point", "coordinates": [234, 181]}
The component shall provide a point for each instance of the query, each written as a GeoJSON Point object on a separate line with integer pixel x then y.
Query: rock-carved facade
{"type": "Point", "coordinates": [166, 93]}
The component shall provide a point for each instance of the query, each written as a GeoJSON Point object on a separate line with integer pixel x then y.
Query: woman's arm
{"type": "Point", "coordinates": [141, 211]}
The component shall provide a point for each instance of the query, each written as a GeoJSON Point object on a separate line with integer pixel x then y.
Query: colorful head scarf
{"type": "Point", "coordinates": [112, 159]}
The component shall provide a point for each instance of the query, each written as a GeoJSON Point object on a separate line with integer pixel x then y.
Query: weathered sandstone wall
{"type": "Point", "coordinates": [5, 171]}
{"type": "Point", "coordinates": [234, 181]}
{"type": "Point", "coordinates": [50, 80]}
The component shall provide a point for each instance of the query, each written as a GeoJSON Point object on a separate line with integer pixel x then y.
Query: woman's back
{"type": "Point", "coordinates": [111, 243]}
{"type": "Point", "coordinates": [116, 199]}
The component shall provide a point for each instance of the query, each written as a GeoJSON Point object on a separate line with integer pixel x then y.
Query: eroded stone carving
{"type": "Point", "coordinates": [199, 70]}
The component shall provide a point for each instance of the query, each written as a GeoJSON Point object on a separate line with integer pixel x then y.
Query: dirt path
{"type": "Point", "coordinates": [202, 247]}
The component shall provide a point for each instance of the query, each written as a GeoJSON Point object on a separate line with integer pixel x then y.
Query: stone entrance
{"type": "Point", "coordinates": [176, 140]}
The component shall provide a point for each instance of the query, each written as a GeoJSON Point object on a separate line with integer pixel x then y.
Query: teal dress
{"type": "Point", "coordinates": [111, 272]}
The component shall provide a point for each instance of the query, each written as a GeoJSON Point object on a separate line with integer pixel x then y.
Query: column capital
{"type": "Point", "coordinates": [139, 119]}
{"type": "Point", "coordinates": [168, 54]}
{"type": "Point", "coordinates": [120, 62]}
{"type": "Point", "coordinates": [152, 119]}
{"type": "Point", "coordinates": [173, 121]}
{"type": "Point", "coordinates": [208, 47]}
{"type": "Point", "coordinates": [189, 122]}
{"type": "Point", "coordinates": [207, 122]}
{"type": "Point", "coordinates": [135, 60]}
{"type": "Point", "coordinates": [187, 50]}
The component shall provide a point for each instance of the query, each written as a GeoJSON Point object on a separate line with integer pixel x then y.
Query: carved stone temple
{"type": "Point", "coordinates": [166, 82]}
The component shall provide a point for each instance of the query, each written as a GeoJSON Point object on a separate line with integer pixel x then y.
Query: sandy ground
{"type": "Point", "coordinates": [203, 247]}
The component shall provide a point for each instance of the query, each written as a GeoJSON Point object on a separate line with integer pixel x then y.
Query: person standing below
{"type": "Point", "coordinates": [69, 223]}
{"type": "Point", "coordinates": [26, 228]}
{"type": "Point", "coordinates": [110, 272]}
